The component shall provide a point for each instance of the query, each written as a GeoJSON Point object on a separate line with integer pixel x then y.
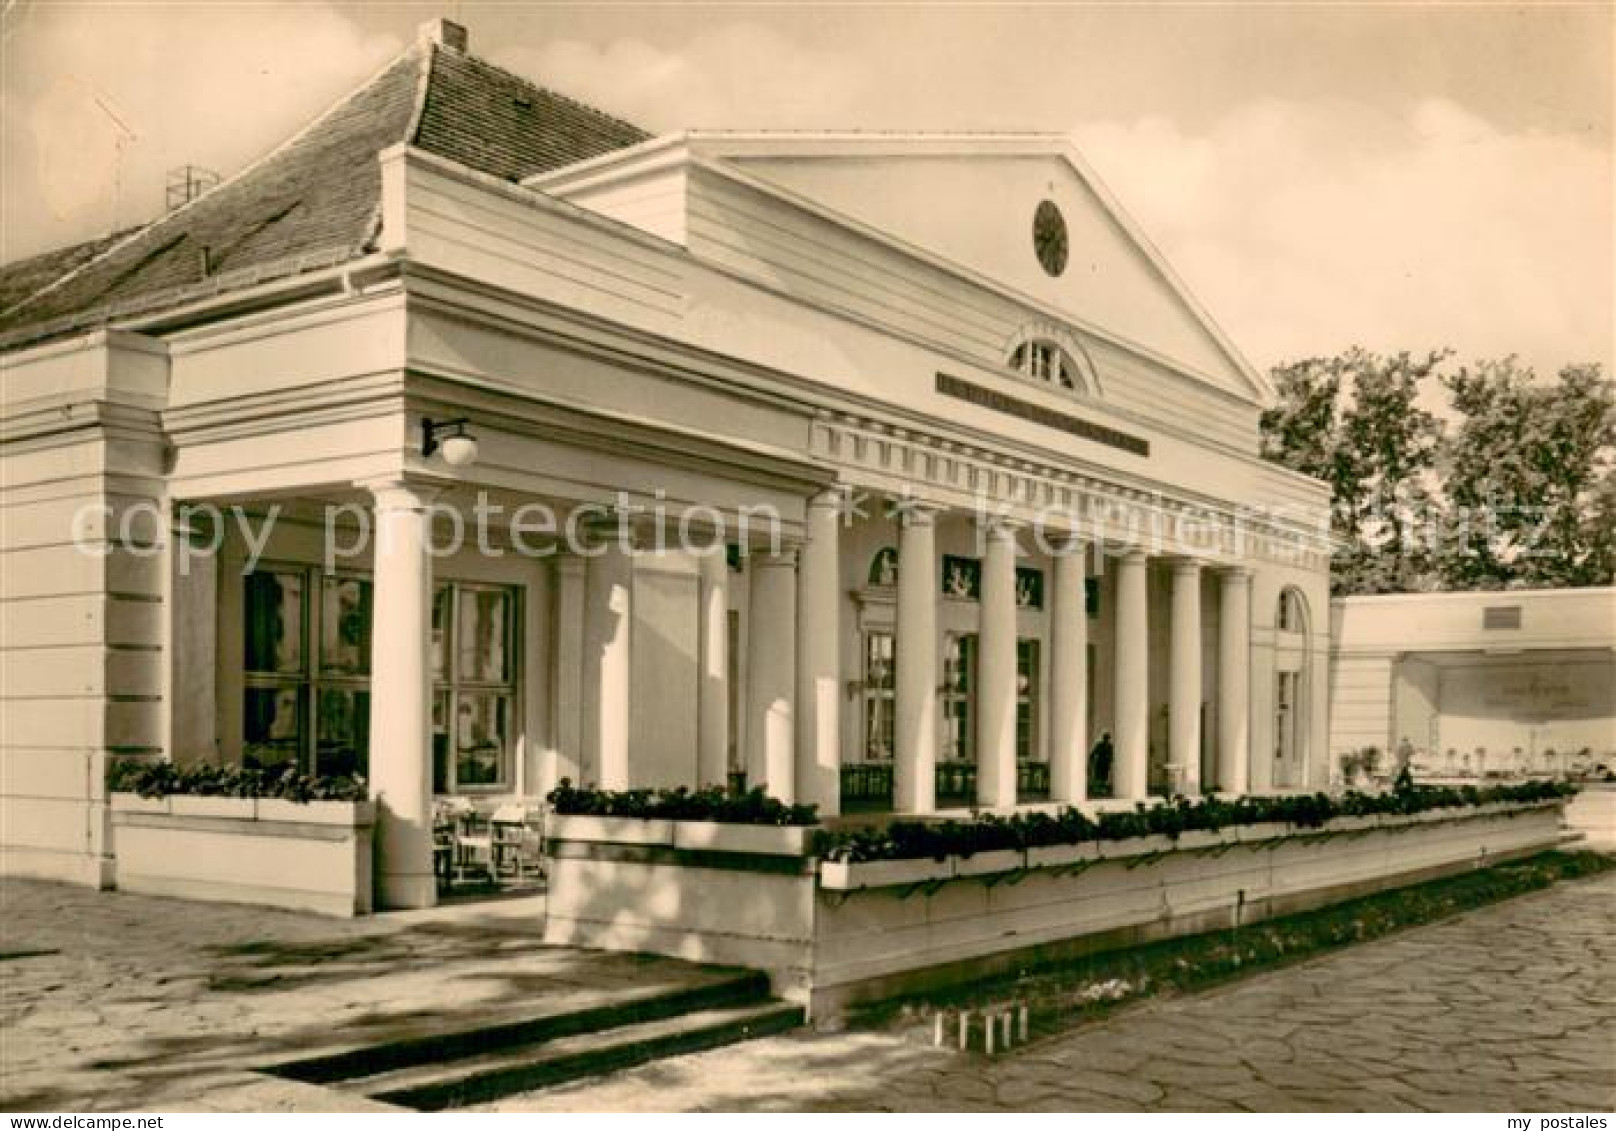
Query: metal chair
{"type": "Point", "coordinates": [517, 845]}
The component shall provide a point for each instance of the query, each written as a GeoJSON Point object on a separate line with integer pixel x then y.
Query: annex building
{"type": "Point", "coordinates": [1521, 681]}
{"type": "Point", "coordinates": [977, 477]}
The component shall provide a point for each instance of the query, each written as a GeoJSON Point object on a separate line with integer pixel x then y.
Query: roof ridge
{"type": "Point", "coordinates": [423, 86]}
{"type": "Point", "coordinates": [241, 174]}
{"type": "Point", "coordinates": [484, 61]}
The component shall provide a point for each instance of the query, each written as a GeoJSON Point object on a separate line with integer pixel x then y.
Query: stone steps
{"type": "Point", "coordinates": [514, 1052]}
{"type": "Point", "coordinates": [544, 1064]}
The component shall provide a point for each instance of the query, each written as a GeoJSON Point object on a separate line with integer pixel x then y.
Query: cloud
{"type": "Point", "coordinates": [1307, 227]}
{"type": "Point", "coordinates": [732, 75]}
{"type": "Point", "coordinates": [101, 100]}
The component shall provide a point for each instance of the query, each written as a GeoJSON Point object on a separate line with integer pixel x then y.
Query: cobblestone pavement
{"type": "Point", "coordinates": [110, 1001]}
{"type": "Point", "coordinates": [146, 1004]}
{"type": "Point", "coordinates": [1508, 1008]}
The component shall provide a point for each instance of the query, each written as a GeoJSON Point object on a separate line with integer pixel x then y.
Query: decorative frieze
{"type": "Point", "coordinates": [879, 457]}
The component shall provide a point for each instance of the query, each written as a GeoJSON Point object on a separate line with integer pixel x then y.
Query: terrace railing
{"type": "Point", "coordinates": [867, 786]}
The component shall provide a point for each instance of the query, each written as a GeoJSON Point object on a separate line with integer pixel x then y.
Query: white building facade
{"type": "Point", "coordinates": [1519, 681]}
{"type": "Point", "coordinates": [979, 479]}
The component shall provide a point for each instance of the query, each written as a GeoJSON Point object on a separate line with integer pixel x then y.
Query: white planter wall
{"type": "Point", "coordinates": [1593, 814]}
{"type": "Point", "coordinates": [833, 935]}
{"type": "Point", "coordinates": [699, 890]}
{"type": "Point", "coordinates": [314, 857]}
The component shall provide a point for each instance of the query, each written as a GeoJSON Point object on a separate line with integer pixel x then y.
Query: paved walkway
{"type": "Point", "coordinates": [120, 1002]}
{"type": "Point", "coordinates": [1509, 1008]}
{"type": "Point", "coordinates": [141, 1003]}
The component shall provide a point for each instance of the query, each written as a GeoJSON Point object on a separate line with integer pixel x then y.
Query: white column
{"type": "Point", "coordinates": [712, 714]}
{"type": "Point", "coordinates": [1184, 678]}
{"type": "Point", "coordinates": [914, 771]}
{"type": "Point", "coordinates": [819, 650]}
{"type": "Point", "coordinates": [771, 651]}
{"type": "Point", "coordinates": [568, 696]}
{"type": "Point", "coordinates": [1132, 692]}
{"type": "Point", "coordinates": [1069, 675]}
{"type": "Point", "coordinates": [401, 696]}
{"type": "Point", "coordinates": [1234, 682]}
{"type": "Point", "coordinates": [608, 620]}
{"type": "Point", "coordinates": [996, 672]}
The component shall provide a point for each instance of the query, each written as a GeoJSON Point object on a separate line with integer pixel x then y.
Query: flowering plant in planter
{"type": "Point", "coordinates": [753, 807]}
{"type": "Point", "coordinates": [938, 840]}
{"type": "Point", "coordinates": [164, 779]}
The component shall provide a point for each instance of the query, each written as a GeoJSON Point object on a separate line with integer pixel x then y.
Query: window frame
{"type": "Point", "coordinates": [312, 679]}
{"type": "Point", "coordinates": [1029, 664]}
{"type": "Point", "coordinates": [452, 685]}
{"type": "Point", "coordinates": [1046, 361]}
{"type": "Point", "coordinates": [956, 699]}
{"type": "Point", "coordinates": [875, 697]}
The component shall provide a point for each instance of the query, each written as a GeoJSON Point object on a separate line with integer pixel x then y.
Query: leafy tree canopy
{"type": "Point", "coordinates": [1512, 485]}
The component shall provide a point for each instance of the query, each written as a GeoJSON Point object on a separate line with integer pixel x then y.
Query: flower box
{"type": "Point", "coordinates": [840, 875]}
{"type": "Point", "coordinates": [188, 805]}
{"type": "Point", "coordinates": [610, 830]}
{"type": "Point", "coordinates": [337, 813]}
{"type": "Point", "coordinates": [134, 803]}
{"type": "Point", "coordinates": [989, 863]}
{"type": "Point", "coordinates": [1267, 830]}
{"type": "Point", "coordinates": [313, 857]}
{"type": "Point", "coordinates": [1063, 855]}
{"type": "Point", "coordinates": [1194, 840]}
{"type": "Point", "coordinates": [1354, 824]}
{"type": "Point", "coordinates": [1151, 845]}
{"type": "Point", "coordinates": [763, 840]}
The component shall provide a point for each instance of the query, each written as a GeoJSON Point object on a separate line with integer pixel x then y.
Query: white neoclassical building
{"type": "Point", "coordinates": [981, 476]}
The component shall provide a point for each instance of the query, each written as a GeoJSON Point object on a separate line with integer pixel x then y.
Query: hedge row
{"type": "Point", "coordinates": [904, 840]}
{"type": "Point", "coordinates": [161, 779]}
{"type": "Point", "coordinates": [712, 804]}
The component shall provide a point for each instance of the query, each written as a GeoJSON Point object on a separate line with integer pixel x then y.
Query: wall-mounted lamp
{"type": "Point", "coordinates": [449, 437]}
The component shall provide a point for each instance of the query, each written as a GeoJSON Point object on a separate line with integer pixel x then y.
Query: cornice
{"type": "Point", "coordinates": [875, 455]}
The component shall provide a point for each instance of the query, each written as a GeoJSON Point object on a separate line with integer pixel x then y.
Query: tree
{"type": "Point", "coordinates": [1531, 476]}
{"type": "Point", "coordinates": [1302, 430]}
{"type": "Point", "coordinates": [1355, 421]}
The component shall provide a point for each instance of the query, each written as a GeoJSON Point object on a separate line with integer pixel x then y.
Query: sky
{"type": "Point", "coordinates": [1321, 174]}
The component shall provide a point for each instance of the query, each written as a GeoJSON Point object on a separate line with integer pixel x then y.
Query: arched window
{"type": "Point", "coordinates": [1043, 360]}
{"type": "Point", "coordinates": [884, 567]}
{"type": "Point", "coordinates": [1293, 702]}
{"type": "Point", "coordinates": [1292, 613]}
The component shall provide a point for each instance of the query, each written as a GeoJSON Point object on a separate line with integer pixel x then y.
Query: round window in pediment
{"type": "Point", "coordinates": [1049, 237]}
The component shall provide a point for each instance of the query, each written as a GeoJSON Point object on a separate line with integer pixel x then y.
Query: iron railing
{"type": "Point", "coordinates": [868, 786]}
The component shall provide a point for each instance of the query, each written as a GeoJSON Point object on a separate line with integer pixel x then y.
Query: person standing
{"type": "Point", "coordinates": [1102, 761]}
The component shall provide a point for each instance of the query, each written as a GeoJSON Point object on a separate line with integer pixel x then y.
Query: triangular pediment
{"type": "Point", "coordinates": [970, 201]}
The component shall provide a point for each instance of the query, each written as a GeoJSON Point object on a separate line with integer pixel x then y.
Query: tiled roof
{"type": "Point", "coordinates": [312, 202]}
{"type": "Point", "coordinates": [20, 279]}
{"type": "Point", "coordinates": [482, 116]}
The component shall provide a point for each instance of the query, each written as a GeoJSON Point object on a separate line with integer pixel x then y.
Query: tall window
{"type": "Point", "coordinates": [959, 697]}
{"type": "Point", "coordinates": [1290, 617]}
{"type": "Point", "coordinates": [880, 683]}
{"type": "Point", "coordinates": [1285, 715]}
{"type": "Point", "coordinates": [474, 687]}
{"type": "Point", "coordinates": [286, 679]}
{"type": "Point", "coordinates": [1026, 700]}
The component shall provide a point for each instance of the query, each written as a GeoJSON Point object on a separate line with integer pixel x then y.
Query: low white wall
{"type": "Point", "coordinates": [875, 942]}
{"type": "Point", "coordinates": [707, 892]}
{"type": "Point", "coordinates": [1593, 814]}
{"type": "Point", "coordinates": [833, 935]}
{"type": "Point", "coordinates": [313, 857]}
